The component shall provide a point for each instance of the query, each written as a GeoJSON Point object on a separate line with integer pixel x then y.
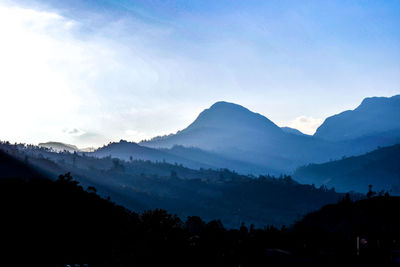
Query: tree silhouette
{"type": "Point", "coordinates": [92, 189]}
{"type": "Point", "coordinates": [370, 193]}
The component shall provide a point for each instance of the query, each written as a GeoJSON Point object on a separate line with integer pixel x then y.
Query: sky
{"type": "Point", "coordinates": [91, 72]}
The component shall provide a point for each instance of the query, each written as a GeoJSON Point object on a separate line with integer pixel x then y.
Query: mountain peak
{"type": "Point", "coordinates": [224, 104]}
{"type": "Point", "coordinates": [224, 127]}
{"type": "Point", "coordinates": [226, 115]}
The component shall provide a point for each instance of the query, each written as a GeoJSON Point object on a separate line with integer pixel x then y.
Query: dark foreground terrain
{"type": "Point", "coordinates": [53, 223]}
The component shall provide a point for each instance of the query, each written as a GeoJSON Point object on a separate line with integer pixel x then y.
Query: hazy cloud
{"type": "Point", "coordinates": [305, 124]}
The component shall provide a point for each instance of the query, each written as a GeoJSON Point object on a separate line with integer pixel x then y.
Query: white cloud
{"type": "Point", "coordinates": [74, 131]}
{"type": "Point", "coordinates": [305, 124]}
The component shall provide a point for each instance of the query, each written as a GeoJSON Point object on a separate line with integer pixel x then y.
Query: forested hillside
{"type": "Point", "coordinates": [211, 194]}
{"type": "Point", "coordinates": [380, 168]}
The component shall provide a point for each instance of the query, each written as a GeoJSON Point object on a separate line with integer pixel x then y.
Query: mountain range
{"type": "Point", "coordinates": [227, 135]}
{"type": "Point", "coordinates": [235, 132]}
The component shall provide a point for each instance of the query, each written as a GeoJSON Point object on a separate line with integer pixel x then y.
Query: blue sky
{"type": "Point", "coordinates": [90, 72]}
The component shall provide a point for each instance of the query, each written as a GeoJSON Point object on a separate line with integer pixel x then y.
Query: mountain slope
{"type": "Point", "coordinates": [372, 117]}
{"type": "Point", "coordinates": [217, 161]}
{"type": "Point", "coordinates": [380, 168]}
{"type": "Point", "coordinates": [292, 131]}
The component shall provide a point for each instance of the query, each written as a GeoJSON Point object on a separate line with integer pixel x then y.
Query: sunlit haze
{"type": "Point", "coordinates": [91, 72]}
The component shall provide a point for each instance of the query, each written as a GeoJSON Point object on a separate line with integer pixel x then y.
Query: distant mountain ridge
{"type": "Point", "coordinates": [58, 146]}
{"type": "Point", "coordinates": [189, 157]}
{"type": "Point", "coordinates": [373, 116]}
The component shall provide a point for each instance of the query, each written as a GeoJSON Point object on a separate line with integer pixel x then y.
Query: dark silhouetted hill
{"type": "Point", "coordinates": [55, 223]}
{"type": "Point", "coordinates": [372, 217]}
